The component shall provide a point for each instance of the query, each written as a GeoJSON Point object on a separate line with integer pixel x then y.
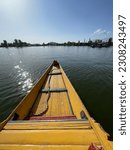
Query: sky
{"type": "Point", "coordinates": [39, 21]}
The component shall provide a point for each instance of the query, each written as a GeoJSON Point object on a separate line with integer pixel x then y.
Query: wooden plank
{"type": "Point", "coordinates": [43, 147]}
{"type": "Point", "coordinates": [51, 137]}
{"type": "Point", "coordinates": [57, 104]}
{"type": "Point", "coordinates": [41, 104]}
{"type": "Point", "coordinates": [53, 90]}
{"type": "Point", "coordinates": [48, 125]}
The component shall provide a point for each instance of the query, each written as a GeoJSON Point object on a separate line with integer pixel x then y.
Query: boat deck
{"type": "Point", "coordinates": [53, 101]}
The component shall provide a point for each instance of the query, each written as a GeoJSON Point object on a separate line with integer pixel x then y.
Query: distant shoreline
{"type": "Point", "coordinates": [90, 43]}
{"type": "Point", "coordinates": [58, 46]}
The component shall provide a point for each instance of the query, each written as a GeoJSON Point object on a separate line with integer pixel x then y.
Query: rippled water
{"type": "Point", "coordinates": [89, 69]}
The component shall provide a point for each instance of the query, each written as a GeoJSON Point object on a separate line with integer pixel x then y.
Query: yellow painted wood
{"type": "Point", "coordinates": [56, 80]}
{"type": "Point", "coordinates": [55, 104]}
{"type": "Point", "coordinates": [48, 125]}
{"type": "Point", "coordinates": [58, 105]}
{"type": "Point", "coordinates": [52, 134]}
{"type": "Point", "coordinates": [41, 104]}
{"type": "Point", "coordinates": [49, 137]}
{"type": "Point", "coordinates": [43, 147]}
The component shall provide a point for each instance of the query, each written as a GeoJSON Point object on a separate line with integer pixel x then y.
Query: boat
{"type": "Point", "coordinates": [52, 117]}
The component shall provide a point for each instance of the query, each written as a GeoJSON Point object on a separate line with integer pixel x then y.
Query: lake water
{"type": "Point", "coordinates": [89, 69]}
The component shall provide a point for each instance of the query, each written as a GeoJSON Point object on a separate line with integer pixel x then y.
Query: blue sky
{"type": "Point", "coordinates": [55, 20]}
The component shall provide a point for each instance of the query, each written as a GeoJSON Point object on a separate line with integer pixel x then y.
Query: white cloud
{"type": "Point", "coordinates": [101, 33]}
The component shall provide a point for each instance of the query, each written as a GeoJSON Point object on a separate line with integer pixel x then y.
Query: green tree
{"type": "Point", "coordinates": [5, 44]}
{"type": "Point", "coordinates": [110, 42]}
{"type": "Point", "coordinates": [15, 43]}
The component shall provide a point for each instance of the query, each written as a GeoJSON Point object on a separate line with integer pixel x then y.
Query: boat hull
{"type": "Point", "coordinates": [52, 116]}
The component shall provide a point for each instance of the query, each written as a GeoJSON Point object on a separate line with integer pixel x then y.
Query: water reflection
{"type": "Point", "coordinates": [24, 78]}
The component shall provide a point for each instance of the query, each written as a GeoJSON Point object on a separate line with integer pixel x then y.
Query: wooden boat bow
{"type": "Point", "coordinates": [52, 116]}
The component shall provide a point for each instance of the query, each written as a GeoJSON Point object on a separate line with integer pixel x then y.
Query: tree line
{"type": "Point", "coordinates": [95, 43]}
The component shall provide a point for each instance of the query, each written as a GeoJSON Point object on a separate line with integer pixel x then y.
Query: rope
{"type": "Point", "coordinates": [48, 96]}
